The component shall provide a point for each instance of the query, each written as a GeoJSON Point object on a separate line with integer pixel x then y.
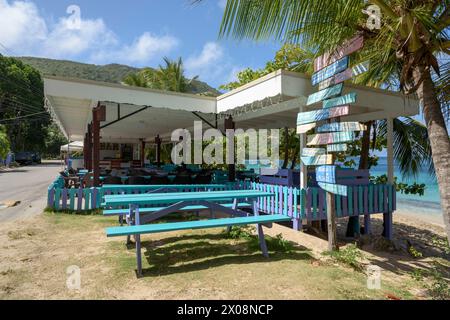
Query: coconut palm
{"type": "Point", "coordinates": [169, 76]}
{"type": "Point", "coordinates": [407, 42]}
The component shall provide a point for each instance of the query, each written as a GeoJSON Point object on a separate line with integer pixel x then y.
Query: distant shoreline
{"type": "Point", "coordinates": [434, 218]}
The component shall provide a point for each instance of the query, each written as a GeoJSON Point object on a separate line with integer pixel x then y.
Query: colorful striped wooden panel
{"type": "Point", "coordinates": [349, 46]}
{"type": "Point", "coordinates": [329, 138]}
{"type": "Point", "coordinates": [331, 70]}
{"type": "Point", "coordinates": [305, 127]}
{"type": "Point", "coordinates": [334, 188]}
{"type": "Point", "coordinates": [317, 160]}
{"type": "Point", "coordinates": [341, 147]}
{"type": "Point", "coordinates": [340, 101]}
{"type": "Point", "coordinates": [322, 114]}
{"type": "Point", "coordinates": [311, 152]}
{"type": "Point", "coordinates": [341, 126]}
{"type": "Point", "coordinates": [326, 174]}
{"type": "Point", "coordinates": [336, 79]}
{"type": "Point", "coordinates": [325, 94]}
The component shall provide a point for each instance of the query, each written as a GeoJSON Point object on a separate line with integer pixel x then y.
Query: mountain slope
{"type": "Point", "coordinates": [113, 73]}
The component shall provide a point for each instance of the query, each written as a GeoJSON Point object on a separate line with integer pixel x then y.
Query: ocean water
{"type": "Point", "coordinates": [429, 203]}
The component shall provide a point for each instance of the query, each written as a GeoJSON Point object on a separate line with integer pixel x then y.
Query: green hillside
{"type": "Point", "coordinates": [107, 73]}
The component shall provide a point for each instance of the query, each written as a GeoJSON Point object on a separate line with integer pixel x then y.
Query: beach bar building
{"type": "Point", "coordinates": [116, 122]}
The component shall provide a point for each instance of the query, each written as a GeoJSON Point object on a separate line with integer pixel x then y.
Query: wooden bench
{"type": "Point", "coordinates": [188, 225]}
{"type": "Point", "coordinates": [185, 201]}
{"type": "Point", "coordinates": [118, 212]}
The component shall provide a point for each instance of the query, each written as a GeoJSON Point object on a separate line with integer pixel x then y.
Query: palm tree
{"type": "Point", "coordinates": [411, 37]}
{"type": "Point", "coordinates": [169, 76]}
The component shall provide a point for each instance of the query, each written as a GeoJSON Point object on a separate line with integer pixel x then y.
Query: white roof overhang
{"type": "Point", "coordinates": [272, 101]}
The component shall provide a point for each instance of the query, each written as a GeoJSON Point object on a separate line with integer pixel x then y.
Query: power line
{"type": "Point", "coordinates": [19, 106]}
{"type": "Point", "coordinates": [22, 117]}
{"type": "Point", "coordinates": [27, 86]}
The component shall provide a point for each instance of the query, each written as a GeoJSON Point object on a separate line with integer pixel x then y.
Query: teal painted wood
{"type": "Point", "coordinates": [57, 198]}
{"type": "Point", "coordinates": [303, 203]}
{"type": "Point", "coordinates": [338, 205]}
{"type": "Point", "coordinates": [311, 152]}
{"type": "Point", "coordinates": [371, 198]}
{"type": "Point", "coordinates": [350, 201]}
{"type": "Point", "coordinates": [295, 205]}
{"type": "Point", "coordinates": [164, 198]}
{"type": "Point", "coordinates": [329, 71]}
{"type": "Point", "coordinates": [144, 188]}
{"type": "Point", "coordinates": [324, 94]}
{"type": "Point", "coordinates": [341, 126]}
{"type": "Point", "coordinates": [317, 160]}
{"type": "Point", "coordinates": [340, 147]}
{"type": "Point", "coordinates": [340, 101]}
{"type": "Point", "coordinates": [276, 199]}
{"type": "Point", "coordinates": [321, 114]}
{"type": "Point", "coordinates": [329, 138]}
{"type": "Point", "coordinates": [380, 199]}
{"type": "Point", "coordinates": [334, 188]}
{"type": "Point", "coordinates": [188, 225]}
{"type": "Point", "coordinates": [390, 197]}
{"type": "Point", "coordinates": [87, 198]}
{"type": "Point", "coordinates": [326, 173]}
{"type": "Point", "coordinates": [115, 212]}
{"type": "Point", "coordinates": [360, 199]}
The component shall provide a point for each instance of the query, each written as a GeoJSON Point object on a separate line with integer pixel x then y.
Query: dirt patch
{"type": "Point", "coordinates": [201, 264]}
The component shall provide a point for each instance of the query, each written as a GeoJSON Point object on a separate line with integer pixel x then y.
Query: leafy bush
{"type": "Point", "coordinates": [239, 232]}
{"type": "Point", "coordinates": [349, 256]}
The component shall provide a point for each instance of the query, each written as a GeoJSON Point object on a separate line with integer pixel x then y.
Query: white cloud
{"type": "Point", "coordinates": [222, 4]}
{"type": "Point", "coordinates": [25, 32]}
{"type": "Point", "coordinates": [211, 54]}
{"type": "Point", "coordinates": [143, 49]}
{"type": "Point", "coordinates": [21, 25]}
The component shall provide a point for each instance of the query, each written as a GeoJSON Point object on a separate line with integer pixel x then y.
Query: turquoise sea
{"type": "Point", "coordinates": [428, 203]}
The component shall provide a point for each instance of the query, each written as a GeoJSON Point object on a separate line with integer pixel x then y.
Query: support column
{"type": "Point", "coordinates": [229, 125]}
{"type": "Point", "coordinates": [89, 147]}
{"type": "Point", "coordinates": [142, 155]}
{"type": "Point", "coordinates": [85, 161]}
{"type": "Point", "coordinates": [158, 142]}
{"type": "Point", "coordinates": [387, 216]}
{"type": "Point", "coordinates": [98, 115]}
{"type": "Point", "coordinates": [297, 224]}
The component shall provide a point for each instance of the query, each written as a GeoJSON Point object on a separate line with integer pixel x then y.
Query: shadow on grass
{"type": "Point", "coordinates": [203, 251]}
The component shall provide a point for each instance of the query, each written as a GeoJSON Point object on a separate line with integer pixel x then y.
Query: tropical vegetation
{"type": "Point", "coordinates": [404, 50]}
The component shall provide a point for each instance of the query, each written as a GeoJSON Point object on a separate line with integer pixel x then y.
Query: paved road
{"type": "Point", "coordinates": [28, 185]}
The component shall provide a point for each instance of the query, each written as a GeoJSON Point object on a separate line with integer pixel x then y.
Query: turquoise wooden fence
{"type": "Point", "coordinates": [300, 204]}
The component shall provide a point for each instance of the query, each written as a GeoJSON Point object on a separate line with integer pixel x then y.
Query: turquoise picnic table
{"type": "Point", "coordinates": [148, 188]}
{"type": "Point", "coordinates": [184, 201]}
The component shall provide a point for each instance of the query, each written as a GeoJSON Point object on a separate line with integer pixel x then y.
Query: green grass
{"type": "Point", "coordinates": [350, 256]}
{"type": "Point", "coordinates": [189, 264]}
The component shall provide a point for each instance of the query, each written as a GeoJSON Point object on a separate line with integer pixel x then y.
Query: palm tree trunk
{"type": "Point", "coordinates": [353, 222]}
{"type": "Point", "coordinates": [439, 138]}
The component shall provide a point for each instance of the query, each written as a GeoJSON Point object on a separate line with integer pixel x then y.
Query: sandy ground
{"type": "Point", "coordinates": [36, 251]}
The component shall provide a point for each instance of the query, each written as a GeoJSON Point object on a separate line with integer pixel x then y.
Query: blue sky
{"type": "Point", "coordinates": [133, 32]}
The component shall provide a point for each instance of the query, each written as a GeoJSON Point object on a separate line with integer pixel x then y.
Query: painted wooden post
{"type": "Point", "coordinates": [142, 153]}
{"type": "Point", "coordinates": [229, 125]}
{"type": "Point", "coordinates": [98, 115]}
{"type": "Point", "coordinates": [89, 148]}
{"type": "Point", "coordinates": [158, 142]}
